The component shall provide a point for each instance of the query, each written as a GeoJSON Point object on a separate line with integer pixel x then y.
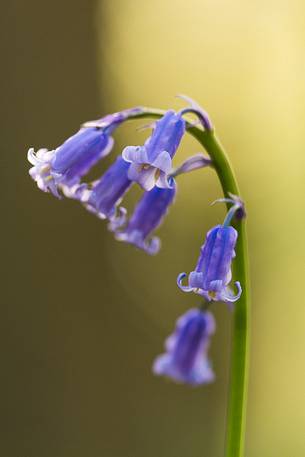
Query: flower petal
{"type": "Point", "coordinates": [137, 154]}
{"type": "Point", "coordinates": [152, 246]}
{"type": "Point", "coordinates": [196, 279]}
{"type": "Point", "coordinates": [181, 276]}
{"type": "Point", "coordinates": [145, 177]}
{"type": "Point", "coordinates": [164, 182]}
{"type": "Point", "coordinates": [118, 219]}
{"type": "Point", "coordinates": [163, 162]}
{"type": "Point", "coordinates": [228, 295]}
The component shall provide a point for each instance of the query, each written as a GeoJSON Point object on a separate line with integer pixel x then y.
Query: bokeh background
{"type": "Point", "coordinates": [83, 316]}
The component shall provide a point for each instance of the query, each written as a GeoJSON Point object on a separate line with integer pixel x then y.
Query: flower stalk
{"type": "Point", "coordinates": [236, 415]}
{"type": "Point", "coordinates": [61, 171]}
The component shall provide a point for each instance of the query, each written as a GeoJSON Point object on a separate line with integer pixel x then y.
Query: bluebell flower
{"type": "Point", "coordinates": [186, 358]}
{"type": "Point", "coordinates": [213, 273]}
{"type": "Point", "coordinates": [104, 197]}
{"type": "Point", "coordinates": [152, 163]}
{"type": "Point", "coordinates": [67, 164]}
{"type": "Point", "coordinates": [147, 216]}
{"type": "Point", "coordinates": [70, 161]}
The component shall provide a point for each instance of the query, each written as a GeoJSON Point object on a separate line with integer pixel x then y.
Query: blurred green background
{"type": "Point", "coordinates": [83, 316]}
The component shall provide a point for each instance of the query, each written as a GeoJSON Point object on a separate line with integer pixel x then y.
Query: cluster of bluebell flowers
{"type": "Point", "coordinates": [61, 172]}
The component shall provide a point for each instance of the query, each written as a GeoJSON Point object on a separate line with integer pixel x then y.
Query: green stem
{"type": "Point", "coordinates": [236, 416]}
{"type": "Point", "coordinates": [240, 335]}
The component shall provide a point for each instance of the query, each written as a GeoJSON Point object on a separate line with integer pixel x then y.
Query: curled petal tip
{"type": "Point", "coordinates": [239, 291]}
{"type": "Point", "coordinates": [31, 156]}
{"type": "Point", "coordinates": [153, 246]}
{"type": "Point", "coordinates": [150, 246]}
{"type": "Point", "coordinates": [118, 220]}
{"type": "Point", "coordinates": [229, 296]}
{"type": "Point", "coordinates": [180, 278]}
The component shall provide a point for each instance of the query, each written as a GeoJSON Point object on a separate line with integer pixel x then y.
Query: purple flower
{"type": "Point", "coordinates": [213, 271]}
{"type": "Point", "coordinates": [152, 163]}
{"type": "Point", "coordinates": [67, 164]}
{"type": "Point", "coordinates": [106, 194]}
{"type": "Point", "coordinates": [186, 359]}
{"type": "Point", "coordinates": [147, 216]}
{"type": "Point", "coordinates": [79, 153]}
{"type": "Point", "coordinates": [70, 161]}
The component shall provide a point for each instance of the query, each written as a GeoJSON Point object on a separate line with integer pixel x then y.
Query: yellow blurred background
{"type": "Point", "coordinates": [83, 315]}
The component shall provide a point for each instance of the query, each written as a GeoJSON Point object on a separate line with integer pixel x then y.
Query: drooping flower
{"type": "Point", "coordinates": [106, 194]}
{"type": "Point", "coordinates": [186, 358]}
{"type": "Point", "coordinates": [152, 163]}
{"type": "Point", "coordinates": [213, 273]}
{"type": "Point", "coordinates": [147, 216]}
{"type": "Point", "coordinates": [67, 164]}
{"type": "Point", "coordinates": [70, 161]}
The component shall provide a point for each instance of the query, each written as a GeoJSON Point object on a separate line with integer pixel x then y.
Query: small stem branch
{"type": "Point", "coordinates": [240, 332]}
{"type": "Point", "coordinates": [230, 215]}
